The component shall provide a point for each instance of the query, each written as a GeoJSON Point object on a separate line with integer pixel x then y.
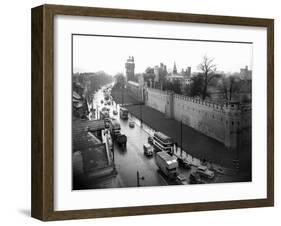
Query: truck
{"type": "Point", "coordinates": [121, 140]}
{"type": "Point", "coordinates": [123, 113]}
{"type": "Point", "coordinates": [115, 128]}
{"type": "Point", "coordinates": [167, 164]}
{"type": "Point", "coordinates": [104, 114]}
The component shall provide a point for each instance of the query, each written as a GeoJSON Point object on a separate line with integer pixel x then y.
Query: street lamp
{"type": "Point", "coordinates": [181, 138]}
{"type": "Point", "coordinates": [138, 179]}
{"type": "Point", "coordinates": [141, 115]}
{"type": "Point", "coordinates": [113, 155]}
{"type": "Point", "coordinates": [122, 94]}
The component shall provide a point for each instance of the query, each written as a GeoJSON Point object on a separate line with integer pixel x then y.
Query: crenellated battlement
{"type": "Point", "coordinates": [219, 121]}
{"type": "Point", "coordinates": [226, 107]}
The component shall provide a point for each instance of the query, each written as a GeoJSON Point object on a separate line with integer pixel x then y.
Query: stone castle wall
{"type": "Point", "coordinates": [229, 124]}
{"type": "Point", "coordinates": [156, 99]}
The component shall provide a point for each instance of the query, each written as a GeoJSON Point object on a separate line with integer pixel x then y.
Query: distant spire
{"type": "Point", "coordinates": [175, 69]}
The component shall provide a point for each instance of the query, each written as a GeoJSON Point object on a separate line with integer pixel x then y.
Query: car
{"type": "Point", "coordinates": [105, 109]}
{"type": "Point", "coordinates": [147, 150]}
{"type": "Point", "coordinates": [194, 178]}
{"type": "Point", "coordinates": [181, 179]}
{"type": "Point", "coordinates": [183, 163]}
{"type": "Point", "coordinates": [106, 124]}
{"type": "Point", "coordinates": [131, 124]}
{"type": "Point", "coordinates": [115, 112]}
{"type": "Point", "coordinates": [150, 140]}
{"type": "Point", "coordinates": [205, 172]}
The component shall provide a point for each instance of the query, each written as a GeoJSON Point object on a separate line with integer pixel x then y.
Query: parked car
{"type": "Point", "coordinates": [194, 178]}
{"type": "Point", "coordinates": [181, 179]}
{"type": "Point", "coordinates": [131, 124]}
{"type": "Point", "coordinates": [107, 124]}
{"type": "Point", "coordinates": [147, 150]}
{"type": "Point", "coordinates": [205, 172]}
{"type": "Point", "coordinates": [115, 112]}
{"type": "Point", "coordinates": [104, 109]}
{"type": "Point", "coordinates": [183, 163]}
{"type": "Point", "coordinates": [121, 140]}
{"type": "Point", "coordinates": [150, 140]}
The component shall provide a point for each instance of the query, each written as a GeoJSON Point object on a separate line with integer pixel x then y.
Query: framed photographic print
{"type": "Point", "coordinates": [141, 112]}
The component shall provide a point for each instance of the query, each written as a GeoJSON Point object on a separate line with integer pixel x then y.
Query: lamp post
{"type": "Point", "coordinates": [122, 94]}
{"type": "Point", "coordinates": [141, 115]}
{"type": "Point", "coordinates": [138, 179]}
{"type": "Point", "coordinates": [181, 138]}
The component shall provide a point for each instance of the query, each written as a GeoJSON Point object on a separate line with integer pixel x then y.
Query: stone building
{"type": "Point", "coordinates": [130, 68]}
{"type": "Point", "coordinates": [245, 73]}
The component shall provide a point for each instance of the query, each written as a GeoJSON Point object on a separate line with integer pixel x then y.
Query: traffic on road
{"type": "Point", "coordinates": [144, 157]}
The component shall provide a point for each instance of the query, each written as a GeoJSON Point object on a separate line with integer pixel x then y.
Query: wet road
{"type": "Point", "coordinates": [132, 159]}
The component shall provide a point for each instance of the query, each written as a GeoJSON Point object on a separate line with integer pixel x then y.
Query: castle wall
{"type": "Point", "coordinates": [207, 118]}
{"type": "Point", "coordinates": [228, 124]}
{"type": "Point", "coordinates": [134, 90]}
{"type": "Point", "coordinates": [156, 99]}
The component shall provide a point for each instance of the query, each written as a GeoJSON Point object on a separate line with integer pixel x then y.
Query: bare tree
{"type": "Point", "coordinates": [229, 86]}
{"type": "Point", "coordinates": [208, 69]}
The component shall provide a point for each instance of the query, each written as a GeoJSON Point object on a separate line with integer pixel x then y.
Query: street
{"type": "Point", "coordinates": [133, 168]}
{"type": "Point", "coordinates": [132, 159]}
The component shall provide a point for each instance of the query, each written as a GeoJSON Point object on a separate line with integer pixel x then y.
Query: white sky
{"type": "Point", "coordinates": [92, 53]}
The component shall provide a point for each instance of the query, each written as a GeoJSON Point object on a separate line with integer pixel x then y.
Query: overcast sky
{"type": "Point", "coordinates": [91, 53]}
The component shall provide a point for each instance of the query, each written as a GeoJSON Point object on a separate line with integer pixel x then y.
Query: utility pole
{"type": "Point", "coordinates": [138, 179]}
{"type": "Point", "coordinates": [122, 95]}
{"type": "Point", "coordinates": [181, 137]}
{"type": "Point", "coordinates": [141, 114]}
{"type": "Point", "coordinates": [113, 155]}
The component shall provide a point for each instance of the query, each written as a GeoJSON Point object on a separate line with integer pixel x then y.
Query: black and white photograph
{"type": "Point", "coordinates": [157, 111]}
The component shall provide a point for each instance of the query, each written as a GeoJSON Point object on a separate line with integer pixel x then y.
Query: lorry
{"type": "Point", "coordinates": [167, 164]}
{"type": "Point", "coordinates": [104, 114]}
{"type": "Point", "coordinates": [123, 113]}
{"type": "Point", "coordinates": [115, 128]}
{"type": "Point", "coordinates": [121, 140]}
{"type": "Point", "coordinates": [115, 131]}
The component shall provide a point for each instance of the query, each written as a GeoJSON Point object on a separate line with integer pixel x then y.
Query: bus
{"type": "Point", "coordinates": [123, 113]}
{"type": "Point", "coordinates": [162, 142]}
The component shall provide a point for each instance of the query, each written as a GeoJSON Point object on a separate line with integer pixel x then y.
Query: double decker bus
{"type": "Point", "coordinates": [162, 142]}
{"type": "Point", "coordinates": [123, 113]}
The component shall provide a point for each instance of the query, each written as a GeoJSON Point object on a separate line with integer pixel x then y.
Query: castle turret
{"type": "Point", "coordinates": [130, 68]}
{"type": "Point", "coordinates": [175, 71]}
{"type": "Point", "coordinates": [232, 125]}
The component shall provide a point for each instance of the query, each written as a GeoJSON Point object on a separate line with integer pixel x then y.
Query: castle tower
{"type": "Point", "coordinates": [130, 68]}
{"type": "Point", "coordinates": [188, 72]}
{"type": "Point", "coordinates": [175, 71]}
{"type": "Point", "coordinates": [169, 107]}
{"type": "Point", "coordinates": [232, 125]}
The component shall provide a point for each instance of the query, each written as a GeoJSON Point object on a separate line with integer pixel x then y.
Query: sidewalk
{"type": "Point", "coordinates": [212, 166]}
{"type": "Point", "coordinates": [194, 143]}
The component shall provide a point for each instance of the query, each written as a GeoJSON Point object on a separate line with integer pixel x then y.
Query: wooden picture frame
{"type": "Point", "coordinates": [43, 112]}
